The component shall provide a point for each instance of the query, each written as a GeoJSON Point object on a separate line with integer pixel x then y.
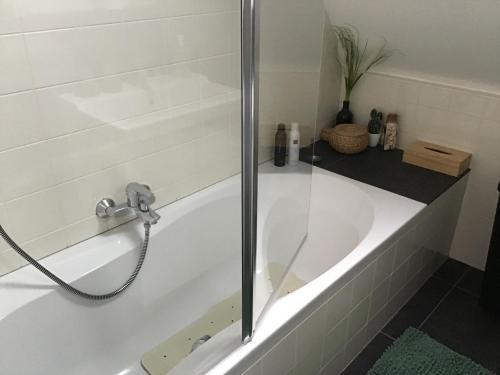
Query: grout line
{"type": "Point", "coordinates": [464, 290]}
{"type": "Point", "coordinates": [121, 21]}
{"type": "Point", "coordinates": [442, 299]}
{"type": "Point", "coordinates": [101, 125]}
{"type": "Point", "coordinates": [119, 164]}
{"type": "Point", "coordinates": [488, 91]}
{"type": "Point", "coordinates": [387, 335]}
{"type": "Point", "coordinates": [134, 71]}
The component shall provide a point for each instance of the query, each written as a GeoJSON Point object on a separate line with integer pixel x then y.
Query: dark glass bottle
{"type": "Point", "coordinates": [345, 116]}
{"type": "Point", "coordinates": [280, 146]}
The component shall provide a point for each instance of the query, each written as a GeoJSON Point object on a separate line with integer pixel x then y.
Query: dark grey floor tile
{"type": "Point", "coordinates": [472, 282]}
{"type": "Point", "coordinates": [451, 271]}
{"type": "Point", "coordinates": [367, 358]}
{"type": "Point", "coordinates": [418, 308]}
{"type": "Point", "coordinates": [462, 325]}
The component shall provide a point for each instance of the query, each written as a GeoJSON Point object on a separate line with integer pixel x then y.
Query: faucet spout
{"type": "Point", "coordinates": [149, 217]}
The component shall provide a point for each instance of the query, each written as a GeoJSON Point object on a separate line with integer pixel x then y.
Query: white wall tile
{"type": "Point", "coordinates": [183, 82]}
{"type": "Point", "coordinates": [27, 169]}
{"type": "Point", "coordinates": [358, 317]}
{"type": "Point", "coordinates": [218, 39]}
{"type": "Point", "coordinates": [33, 216]}
{"type": "Point", "coordinates": [9, 260]}
{"type": "Point", "coordinates": [56, 14]}
{"type": "Point", "coordinates": [335, 366]}
{"type": "Point", "coordinates": [384, 266]}
{"type": "Point", "coordinates": [183, 39]}
{"type": "Point", "coordinates": [254, 370]}
{"type": "Point", "coordinates": [376, 323]}
{"type": "Point", "coordinates": [309, 344]}
{"type": "Point", "coordinates": [43, 246]}
{"type": "Point", "coordinates": [408, 92]}
{"type": "Point", "coordinates": [492, 109]}
{"type": "Point", "coordinates": [415, 263]}
{"type": "Point", "coordinates": [15, 72]}
{"type": "Point", "coordinates": [20, 119]}
{"type": "Point", "coordinates": [406, 246]}
{"type": "Point", "coordinates": [281, 359]}
{"type": "Point", "coordinates": [146, 9]}
{"type": "Point", "coordinates": [379, 298]}
{"type": "Point", "coordinates": [398, 279]}
{"type": "Point", "coordinates": [363, 284]}
{"type": "Point", "coordinates": [217, 116]}
{"type": "Point", "coordinates": [151, 9]}
{"type": "Point", "coordinates": [10, 20]}
{"type": "Point", "coordinates": [339, 306]}
{"type": "Point", "coordinates": [69, 55]}
{"type": "Point", "coordinates": [355, 346]}
{"type": "Point", "coordinates": [468, 102]}
{"type": "Point", "coordinates": [141, 44]}
{"type": "Point", "coordinates": [216, 75]}
{"type": "Point", "coordinates": [335, 341]}
{"type": "Point", "coordinates": [433, 96]}
{"type": "Point", "coordinates": [87, 104]}
{"type": "Point", "coordinates": [204, 6]}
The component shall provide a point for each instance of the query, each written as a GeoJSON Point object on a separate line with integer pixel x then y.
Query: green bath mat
{"type": "Point", "coordinates": [415, 353]}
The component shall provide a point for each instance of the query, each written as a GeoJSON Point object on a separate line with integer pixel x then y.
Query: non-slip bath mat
{"type": "Point", "coordinates": [415, 353]}
{"type": "Point", "coordinates": [167, 355]}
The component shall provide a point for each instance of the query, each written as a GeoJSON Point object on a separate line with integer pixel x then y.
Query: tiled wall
{"type": "Point", "coordinates": [96, 94]}
{"type": "Point", "coordinates": [339, 325]}
{"type": "Point", "coordinates": [452, 113]}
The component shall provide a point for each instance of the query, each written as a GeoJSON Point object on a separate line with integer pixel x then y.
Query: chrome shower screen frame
{"type": "Point", "coordinates": [249, 139]}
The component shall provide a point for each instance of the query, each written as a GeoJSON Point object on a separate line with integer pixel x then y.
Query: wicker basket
{"type": "Point", "coordinates": [349, 138]}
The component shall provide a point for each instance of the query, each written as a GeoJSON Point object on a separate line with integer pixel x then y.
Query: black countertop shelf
{"type": "Point", "coordinates": [385, 170]}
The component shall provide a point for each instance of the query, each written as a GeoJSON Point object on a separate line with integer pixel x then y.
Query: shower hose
{"type": "Point", "coordinates": [69, 288]}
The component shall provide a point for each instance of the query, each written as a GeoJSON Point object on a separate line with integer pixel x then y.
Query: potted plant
{"type": "Point", "coordinates": [354, 60]}
{"type": "Point", "coordinates": [374, 127]}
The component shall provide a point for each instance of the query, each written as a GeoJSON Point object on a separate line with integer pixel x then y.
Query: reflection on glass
{"type": "Point", "coordinates": [291, 46]}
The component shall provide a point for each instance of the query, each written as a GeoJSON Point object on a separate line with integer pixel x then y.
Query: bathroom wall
{"type": "Point", "coordinates": [451, 38]}
{"type": "Point", "coordinates": [94, 95]}
{"type": "Point", "coordinates": [443, 80]}
{"type": "Point", "coordinates": [451, 113]}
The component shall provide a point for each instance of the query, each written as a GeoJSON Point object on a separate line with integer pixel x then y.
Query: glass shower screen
{"type": "Point", "coordinates": [288, 41]}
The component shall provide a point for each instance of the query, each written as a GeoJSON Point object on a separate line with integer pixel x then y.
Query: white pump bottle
{"type": "Point", "coordinates": [294, 144]}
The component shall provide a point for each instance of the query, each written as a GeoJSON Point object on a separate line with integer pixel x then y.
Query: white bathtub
{"type": "Point", "coordinates": [349, 220]}
{"type": "Point", "coordinates": [193, 262]}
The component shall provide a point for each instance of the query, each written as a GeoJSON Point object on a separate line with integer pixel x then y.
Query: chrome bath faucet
{"type": "Point", "coordinates": [139, 200]}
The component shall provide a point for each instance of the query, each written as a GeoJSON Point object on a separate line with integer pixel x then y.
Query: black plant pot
{"type": "Point", "coordinates": [345, 116]}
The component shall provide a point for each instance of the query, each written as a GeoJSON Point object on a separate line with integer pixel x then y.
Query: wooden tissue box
{"type": "Point", "coordinates": [437, 158]}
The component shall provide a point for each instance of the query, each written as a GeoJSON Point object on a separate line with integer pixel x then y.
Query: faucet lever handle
{"type": "Point", "coordinates": [139, 195]}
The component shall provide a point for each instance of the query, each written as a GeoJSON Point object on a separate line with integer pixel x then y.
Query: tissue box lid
{"type": "Point", "coordinates": [437, 158]}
